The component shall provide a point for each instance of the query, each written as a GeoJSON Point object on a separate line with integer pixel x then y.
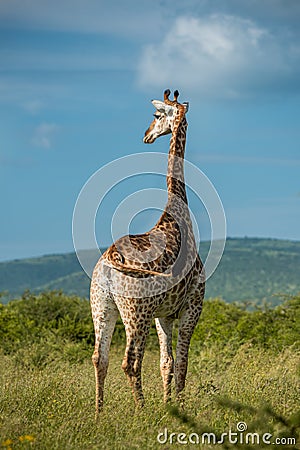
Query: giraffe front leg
{"type": "Point", "coordinates": [164, 328]}
{"type": "Point", "coordinates": [134, 353]}
{"type": "Point", "coordinates": [104, 317]}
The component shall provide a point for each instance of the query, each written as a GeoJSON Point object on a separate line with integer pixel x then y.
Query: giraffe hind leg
{"type": "Point", "coordinates": [164, 328]}
{"type": "Point", "coordinates": [105, 314]}
{"type": "Point", "coordinates": [187, 323]}
{"type": "Point", "coordinates": [134, 353]}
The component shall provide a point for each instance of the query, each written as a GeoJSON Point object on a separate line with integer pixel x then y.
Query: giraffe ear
{"type": "Point", "coordinates": [162, 107]}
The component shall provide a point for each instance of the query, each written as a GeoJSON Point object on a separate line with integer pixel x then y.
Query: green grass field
{"type": "Point", "coordinates": [244, 368]}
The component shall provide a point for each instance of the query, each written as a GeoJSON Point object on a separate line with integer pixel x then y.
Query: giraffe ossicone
{"type": "Point", "coordinates": [156, 275]}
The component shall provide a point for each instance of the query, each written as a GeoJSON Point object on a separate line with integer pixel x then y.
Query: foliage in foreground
{"type": "Point", "coordinates": [55, 405]}
{"type": "Point", "coordinates": [244, 368]}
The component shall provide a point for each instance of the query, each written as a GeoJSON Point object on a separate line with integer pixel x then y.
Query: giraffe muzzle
{"type": "Point", "coordinates": [149, 139]}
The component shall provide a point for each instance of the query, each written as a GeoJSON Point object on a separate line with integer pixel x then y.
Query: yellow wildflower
{"type": "Point", "coordinates": [26, 437]}
{"type": "Point", "coordinates": [7, 443]}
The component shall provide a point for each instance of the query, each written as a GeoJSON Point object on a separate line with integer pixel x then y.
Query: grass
{"type": "Point", "coordinates": [243, 368]}
{"type": "Point", "coordinates": [54, 406]}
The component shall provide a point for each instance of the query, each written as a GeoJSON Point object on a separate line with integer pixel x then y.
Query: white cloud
{"type": "Point", "coordinates": [33, 106]}
{"type": "Point", "coordinates": [43, 135]}
{"type": "Point", "coordinates": [220, 56]}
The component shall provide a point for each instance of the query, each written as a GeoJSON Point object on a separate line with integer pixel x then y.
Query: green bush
{"type": "Point", "coordinates": [48, 320]}
{"type": "Point", "coordinates": [265, 327]}
{"type": "Point", "coordinates": [53, 325]}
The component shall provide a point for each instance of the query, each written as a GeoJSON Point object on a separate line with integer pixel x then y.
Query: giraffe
{"type": "Point", "coordinates": [156, 275]}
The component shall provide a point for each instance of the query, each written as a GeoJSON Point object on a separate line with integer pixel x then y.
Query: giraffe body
{"type": "Point", "coordinates": [156, 275]}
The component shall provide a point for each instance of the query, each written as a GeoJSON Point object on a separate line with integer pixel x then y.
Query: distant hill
{"type": "Point", "coordinates": [250, 270]}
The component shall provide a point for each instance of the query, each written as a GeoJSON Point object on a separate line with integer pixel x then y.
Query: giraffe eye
{"type": "Point", "coordinates": [157, 116]}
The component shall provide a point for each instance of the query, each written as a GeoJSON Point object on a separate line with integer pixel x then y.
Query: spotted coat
{"type": "Point", "coordinates": [156, 275]}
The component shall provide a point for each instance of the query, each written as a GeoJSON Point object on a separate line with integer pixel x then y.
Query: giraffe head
{"type": "Point", "coordinates": [167, 116]}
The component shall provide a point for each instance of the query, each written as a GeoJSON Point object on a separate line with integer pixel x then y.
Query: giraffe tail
{"type": "Point", "coordinates": [117, 261]}
{"type": "Point", "coordinates": [137, 271]}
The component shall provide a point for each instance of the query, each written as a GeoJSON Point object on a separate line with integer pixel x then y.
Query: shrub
{"type": "Point", "coordinates": [44, 317]}
{"type": "Point", "coordinates": [55, 322]}
{"type": "Point", "coordinates": [266, 327]}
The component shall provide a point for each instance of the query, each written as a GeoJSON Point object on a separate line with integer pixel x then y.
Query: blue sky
{"type": "Point", "coordinates": [76, 80]}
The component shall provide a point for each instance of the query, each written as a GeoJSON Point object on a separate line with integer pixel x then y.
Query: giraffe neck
{"type": "Point", "coordinates": [175, 174]}
{"type": "Point", "coordinates": [174, 212]}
